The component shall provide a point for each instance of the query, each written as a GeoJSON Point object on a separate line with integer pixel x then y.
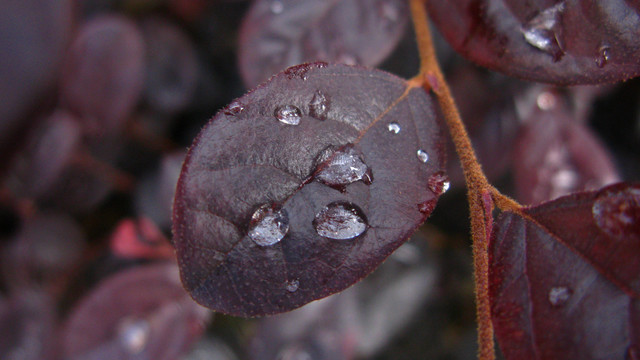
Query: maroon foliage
{"type": "Point", "coordinates": [142, 313]}
{"type": "Point", "coordinates": [561, 42]}
{"type": "Point", "coordinates": [281, 33]}
{"type": "Point", "coordinates": [256, 234]}
{"type": "Point", "coordinates": [565, 277]}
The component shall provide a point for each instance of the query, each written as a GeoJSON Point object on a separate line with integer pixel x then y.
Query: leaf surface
{"type": "Point", "coordinates": [275, 207]}
{"type": "Point", "coordinates": [559, 42]}
{"type": "Point", "coordinates": [278, 34]}
{"type": "Point", "coordinates": [565, 277]}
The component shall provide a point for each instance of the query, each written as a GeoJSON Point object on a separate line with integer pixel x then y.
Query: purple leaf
{"type": "Point", "coordinates": [252, 216]}
{"type": "Point", "coordinates": [276, 34]}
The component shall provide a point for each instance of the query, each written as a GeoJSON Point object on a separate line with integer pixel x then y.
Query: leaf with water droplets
{"type": "Point", "coordinates": [276, 34]}
{"type": "Point", "coordinates": [269, 216]}
{"type": "Point", "coordinates": [561, 42]}
{"type": "Point", "coordinates": [565, 277]}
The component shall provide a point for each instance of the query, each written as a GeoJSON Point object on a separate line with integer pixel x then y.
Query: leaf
{"type": "Point", "coordinates": [565, 277]}
{"type": "Point", "coordinates": [559, 42]}
{"type": "Point", "coordinates": [281, 33]}
{"type": "Point", "coordinates": [302, 187]}
{"type": "Point", "coordinates": [141, 313]}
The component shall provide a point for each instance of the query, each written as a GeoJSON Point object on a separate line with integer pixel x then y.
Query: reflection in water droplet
{"type": "Point", "coordinates": [616, 212]}
{"type": "Point", "coordinates": [233, 109]}
{"type": "Point", "coordinates": [394, 127]}
{"type": "Point", "coordinates": [604, 55]}
{"type": "Point", "coordinates": [319, 105]}
{"type": "Point", "coordinates": [559, 296]}
{"type": "Point", "coordinates": [268, 226]}
{"type": "Point", "coordinates": [422, 156]}
{"type": "Point", "coordinates": [340, 221]}
{"type": "Point", "coordinates": [276, 7]}
{"type": "Point", "coordinates": [542, 31]}
{"type": "Point", "coordinates": [342, 167]}
{"type": "Point", "coordinates": [134, 335]}
{"type": "Point", "coordinates": [292, 286]}
{"type": "Point", "coordinates": [438, 183]}
{"type": "Point", "coordinates": [288, 114]}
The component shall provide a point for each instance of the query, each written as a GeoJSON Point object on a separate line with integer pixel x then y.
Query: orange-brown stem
{"type": "Point", "coordinates": [478, 186]}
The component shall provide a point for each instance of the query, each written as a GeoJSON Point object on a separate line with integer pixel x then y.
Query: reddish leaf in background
{"type": "Point", "coordinates": [304, 186]}
{"type": "Point", "coordinates": [555, 154]}
{"type": "Point", "coordinates": [141, 313]}
{"type": "Point", "coordinates": [565, 278]}
{"type": "Point", "coordinates": [560, 42]}
{"type": "Point", "coordinates": [140, 238]}
{"type": "Point", "coordinates": [103, 73]}
{"type": "Point", "coordinates": [281, 33]}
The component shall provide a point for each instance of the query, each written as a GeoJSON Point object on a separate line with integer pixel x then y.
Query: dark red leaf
{"type": "Point", "coordinates": [142, 313]}
{"type": "Point", "coordinates": [260, 206]}
{"type": "Point", "coordinates": [281, 33]}
{"type": "Point", "coordinates": [561, 42]}
{"type": "Point", "coordinates": [565, 277]}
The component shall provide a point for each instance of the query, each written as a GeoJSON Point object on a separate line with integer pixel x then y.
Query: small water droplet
{"type": "Point", "coordinates": [394, 127]}
{"type": "Point", "coordinates": [319, 105]}
{"type": "Point", "coordinates": [541, 32]}
{"type": "Point", "coordinates": [616, 212]}
{"type": "Point", "coordinates": [268, 225]}
{"type": "Point", "coordinates": [340, 221]}
{"type": "Point", "coordinates": [134, 335]}
{"type": "Point", "coordinates": [559, 295]}
{"type": "Point", "coordinates": [288, 114]}
{"type": "Point", "coordinates": [276, 7]}
{"type": "Point", "coordinates": [546, 100]}
{"type": "Point", "coordinates": [233, 109]}
{"type": "Point", "coordinates": [389, 11]}
{"type": "Point", "coordinates": [292, 286]}
{"type": "Point", "coordinates": [427, 206]}
{"type": "Point", "coordinates": [604, 55]}
{"type": "Point", "coordinates": [341, 167]}
{"type": "Point", "coordinates": [422, 155]}
{"type": "Point", "coordinates": [300, 71]}
{"type": "Point", "coordinates": [438, 183]}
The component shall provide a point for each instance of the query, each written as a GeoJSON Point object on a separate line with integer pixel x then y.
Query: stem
{"type": "Point", "coordinates": [479, 192]}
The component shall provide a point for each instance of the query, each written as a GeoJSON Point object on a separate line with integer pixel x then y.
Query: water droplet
{"type": "Point", "coordinates": [389, 11]}
{"type": "Point", "coordinates": [422, 155]}
{"type": "Point", "coordinates": [604, 55]}
{"type": "Point", "coordinates": [394, 127]}
{"type": "Point", "coordinates": [438, 183]}
{"type": "Point", "coordinates": [427, 206]}
{"type": "Point", "coordinates": [546, 100]}
{"type": "Point", "coordinates": [542, 31]}
{"type": "Point", "coordinates": [288, 114]}
{"type": "Point", "coordinates": [341, 167]}
{"type": "Point", "coordinates": [616, 212]}
{"type": "Point", "coordinates": [134, 335]}
{"type": "Point", "coordinates": [233, 109]}
{"type": "Point", "coordinates": [268, 225]}
{"type": "Point", "coordinates": [340, 221]}
{"type": "Point", "coordinates": [292, 286]}
{"type": "Point", "coordinates": [300, 71]}
{"type": "Point", "coordinates": [276, 7]}
{"type": "Point", "coordinates": [347, 59]}
{"type": "Point", "coordinates": [319, 105]}
{"type": "Point", "coordinates": [559, 295]}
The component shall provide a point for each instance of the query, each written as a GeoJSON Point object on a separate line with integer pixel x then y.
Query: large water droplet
{"type": "Point", "coordinates": [604, 55]}
{"type": "Point", "coordinates": [319, 105]}
{"type": "Point", "coordinates": [276, 7]}
{"type": "Point", "coordinates": [340, 221]}
{"type": "Point", "coordinates": [616, 212]}
{"type": "Point", "coordinates": [438, 183]}
{"type": "Point", "coordinates": [134, 335]}
{"type": "Point", "coordinates": [292, 286]}
{"type": "Point", "coordinates": [559, 295]}
{"type": "Point", "coordinates": [394, 127]}
{"type": "Point", "coordinates": [288, 114]}
{"type": "Point", "coordinates": [268, 225]}
{"type": "Point", "coordinates": [233, 109]}
{"type": "Point", "coordinates": [422, 155]}
{"type": "Point", "coordinates": [542, 31]}
{"type": "Point", "coordinates": [338, 168]}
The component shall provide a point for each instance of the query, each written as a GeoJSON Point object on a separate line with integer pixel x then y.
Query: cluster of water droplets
{"type": "Point", "coordinates": [542, 31]}
{"type": "Point", "coordinates": [340, 221]}
{"type": "Point", "coordinates": [268, 225]}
